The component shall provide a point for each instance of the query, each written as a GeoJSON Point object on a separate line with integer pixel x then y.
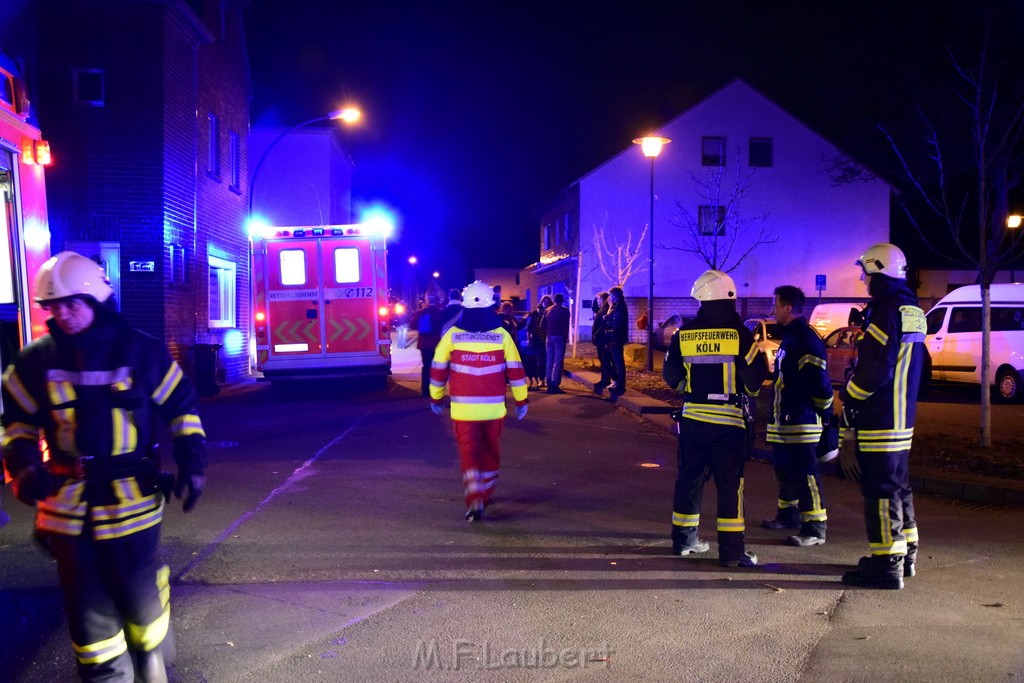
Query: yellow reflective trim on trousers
{"type": "Point", "coordinates": [147, 637]}
{"type": "Point", "coordinates": [884, 521]}
{"type": "Point", "coordinates": [18, 391]}
{"type": "Point", "coordinates": [103, 651]}
{"type": "Point", "coordinates": [679, 519]}
{"type": "Point", "coordinates": [731, 524]}
{"type": "Point", "coordinates": [910, 534]}
{"type": "Point", "coordinates": [784, 504]}
{"type": "Point", "coordinates": [184, 425]}
{"type": "Point", "coordinates": [895, 548]}
{"type": "Point", "coordinates": [163, 584]}
{"type": "Point", "coordinates": [739, 498]}
{"type": "Point", "coordinates": [813, 516]}
{"type": "Point", "coordinates": [126, 436]}
{"type": "Point", "coordinates": [812, 484]}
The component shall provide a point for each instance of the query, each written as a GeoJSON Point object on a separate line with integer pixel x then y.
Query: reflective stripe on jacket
{"type": "Point", "coordinates": [802, 387]}
{"type": "Point", "coordinates": [476, 366]}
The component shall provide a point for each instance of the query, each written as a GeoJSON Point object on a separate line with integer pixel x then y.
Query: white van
{"type": "Point", "coordinates": [954, 338]}
{"type": "Point", "coordinates": [826, 318]}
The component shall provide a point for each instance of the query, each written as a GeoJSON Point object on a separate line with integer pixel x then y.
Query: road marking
{"type": "Point", "coordinates": [300, 473]}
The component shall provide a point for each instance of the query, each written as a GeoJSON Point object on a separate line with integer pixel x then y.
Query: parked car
{"type": "Point", "coordinates": [841, 353]}
{"type": "Point", "coordinates": [831, 316]}
{"type": "Point", "coordinates": [766, 330]}
{"type": "Point", "coordinates": [662, 334]}
{"type": "Point", "coordinates": [954, 338]}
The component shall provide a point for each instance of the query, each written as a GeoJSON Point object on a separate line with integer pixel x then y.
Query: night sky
{"type": "Point", "coordinates": [478, 112]}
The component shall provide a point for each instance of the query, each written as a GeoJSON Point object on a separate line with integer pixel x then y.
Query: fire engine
{"type": "Point", "coordinates": [321, 302]}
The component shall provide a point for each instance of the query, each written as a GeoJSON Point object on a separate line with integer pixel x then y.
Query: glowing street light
{"type": "Point", "coordinates": [436, 274]}
{"type": "Point", "coordinates": [413, 260]}
{"type": "Point", "coordinates": [1013, 221]}
{"type": "Point", "coordinates": [347, 115]}
{"type": "Point", "coordinates": [651, 147]}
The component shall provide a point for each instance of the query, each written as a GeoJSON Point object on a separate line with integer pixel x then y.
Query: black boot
{"type": "Point", "coordinates": [877, 571]}
{"type": "Point", "coordinates": [910, 561]}
{"type": "Point", "coordinates": [785, 518]}
{"type": "Point", "coordinates": [151, 667]}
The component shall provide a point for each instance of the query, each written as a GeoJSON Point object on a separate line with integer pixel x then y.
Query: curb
{"type": "Point", "coordinates": [966, 487]}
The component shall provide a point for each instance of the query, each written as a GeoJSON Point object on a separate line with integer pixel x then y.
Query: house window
{"type": "Point", "coordinates": [566, 226]}
{"type": "Point", "coordinates": [213, 148]}
{"type": "Point", "coordinates": [236, 164]}
{"type": "Point", "coordinates": [547, 236]}
{"type": "Point", "coordinates": [222, 292]}
{"type": "Point", "coordinates": [558, 230]}
{"type": "Point", "coordinates": [87, 85]}
{"type": "Point", "coordinates": [712, 151]}
{"type": "Point", "coordinates": [711, 220]}
{"type": "Point", "coordinates": [178, 266]}
{"type": "Point", "coordinates": [760, 154]}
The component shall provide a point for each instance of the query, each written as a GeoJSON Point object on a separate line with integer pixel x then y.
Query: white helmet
{"type": "Point", "coordinates": [713, 285]}
{"type": "Point", "coordinates": [69, 274]}
{"type": "Point", "coordinates": [886, 259]}
{"type": "Point", "coordinates": [477, 295]}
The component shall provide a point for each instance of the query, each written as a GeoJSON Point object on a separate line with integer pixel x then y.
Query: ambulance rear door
{"type": "Point", "coordinates": [294, 299]}
{"type": "Point", "coordinates": [350, 298]}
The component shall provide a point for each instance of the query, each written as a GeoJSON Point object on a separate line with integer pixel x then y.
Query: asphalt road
{"type": "Point", "coordinates": [331, 546]}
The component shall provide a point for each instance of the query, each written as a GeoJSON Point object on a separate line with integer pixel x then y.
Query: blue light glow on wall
{"type": "Point", "coordinates": [234, 340]}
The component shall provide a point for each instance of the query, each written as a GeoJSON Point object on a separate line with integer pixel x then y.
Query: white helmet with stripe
{"type": "Point", "coordinates": [713, 285]}
{"type": "Point", "coordinates": [886, 259]}
{"type": "Point", "coordinates": [69, 274]}
{"type": "Point", "coordinates": [477, 295]}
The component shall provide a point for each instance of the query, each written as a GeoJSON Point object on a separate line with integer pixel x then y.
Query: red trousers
{"type": "Point", "coordinates": [479, 458]}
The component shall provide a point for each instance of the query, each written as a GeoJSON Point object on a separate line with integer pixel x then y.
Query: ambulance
{"type": "Point", "coordinates": [320, 302]}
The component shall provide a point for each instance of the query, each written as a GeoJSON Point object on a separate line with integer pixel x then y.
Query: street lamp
{"type": "Point", "coordinates": [1013, 220]}
{"type": "Point", "coordinates": [347, 115]}
{"type": "Point", "coordinates": [651, 147]}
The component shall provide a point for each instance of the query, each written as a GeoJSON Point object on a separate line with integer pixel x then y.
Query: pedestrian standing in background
{"type": "Point", "coordinates": [452, 310]}
{"type": "Point", "coordinates": [616, 335]}
{"type": "Point", "coordinates": [598, 335]}
{"type": "Point", "coordinates": [556, 328]}
{"type": "Point", "coordinates": [713, 361]}
{"type": "Point", "coordinates": [97, 390]}
{"type": "Point", "coordinates": [880, 403]}
{"type": "Point", "coordinates": [474, 361]}
{"type": "Point", "coordinates": [803, 397]}
{"type": "Point", "coordinates": [538, 339]}
{"type": "Point", "coordinates": [428, 322]}
{"type": "Point", "coordinates": [509, 322]}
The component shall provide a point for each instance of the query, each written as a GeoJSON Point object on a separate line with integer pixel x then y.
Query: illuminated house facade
{"type": "Point", "coordinates": [787, 178]}
{"type": "Point", "coordinates": [148, 101]}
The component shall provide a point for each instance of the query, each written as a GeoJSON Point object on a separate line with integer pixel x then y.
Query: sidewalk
{"type": "Point", "coordinates": [959, 486]}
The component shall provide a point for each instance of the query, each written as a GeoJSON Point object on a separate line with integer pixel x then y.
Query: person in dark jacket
{"type": "Point", "coordinates": [538, 340]}
{"type": "Point", "coordinates": [803, 397]}
{"type": "Point", "coordinates": [713, 361]}
{"type": "Point", "coordinates": [98, 390]}
{"type": "Point", "coordinates": [616, 335]}
{"type": "Point", "coordinates": [880, 403]}
{"type": "Point", "coordinates": [555, 324]}
{"type": "Point", "coordinates": [428, 322]}
{"type": "Point", "coordinates": [599, 335]}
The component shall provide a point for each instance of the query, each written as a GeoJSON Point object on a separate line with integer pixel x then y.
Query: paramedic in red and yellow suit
{"type": "Point", "coordinates": [97, 389]}
{"type": "Point", "coordinates": [475, 359]}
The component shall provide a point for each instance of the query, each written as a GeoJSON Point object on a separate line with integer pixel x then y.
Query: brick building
{"type": "Point", "coordinates": [148, 104]}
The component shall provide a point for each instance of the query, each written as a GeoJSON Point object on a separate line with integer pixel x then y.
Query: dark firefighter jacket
{"type": "Point", "coordinates": [98, 397]}
{"type": "Point", "coordinates": [802, 388]}
{"type": "Point", "coordinates": [882, 393]}
{"type": "Point", "coordinates": [713, 360]}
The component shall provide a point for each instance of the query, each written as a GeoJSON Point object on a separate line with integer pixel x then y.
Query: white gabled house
{"type": "Point", "coordinates": [784, 170]}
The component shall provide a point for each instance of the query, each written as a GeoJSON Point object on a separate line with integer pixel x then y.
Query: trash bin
{"type": "Point", "coordinates": [205, 360]}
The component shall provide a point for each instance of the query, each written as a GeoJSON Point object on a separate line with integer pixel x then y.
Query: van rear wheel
{"type": "Point", "coordinates": [1008, 386]}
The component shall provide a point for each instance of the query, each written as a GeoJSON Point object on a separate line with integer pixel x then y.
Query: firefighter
{"type": "Point", "coordinates": [475, 359]}
{"type": "Point", "coordinates": [715, 363]}
{"type": "Point", "coordinates": [880, 403]}
{"type": "Point", "coordinates": [96, 389]}
{"type": "Point", "coordinates": [803, 397]}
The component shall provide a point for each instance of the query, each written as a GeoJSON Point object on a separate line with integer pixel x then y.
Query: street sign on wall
{"type": "Point", "coordinates": [819, 283]}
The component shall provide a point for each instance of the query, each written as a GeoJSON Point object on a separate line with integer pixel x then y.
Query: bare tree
{"type": "Point", "coordinates": [991, 131]}
{"type": "Point", "coordinates": [617, 261]}
{"type": "Point", "coordinates": [842, 170]}
{"type": "Point", "coordinates": [719, 233]}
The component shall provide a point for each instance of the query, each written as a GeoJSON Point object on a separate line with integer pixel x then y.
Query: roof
{"type": "Point", "coordinates": [1003, 293]}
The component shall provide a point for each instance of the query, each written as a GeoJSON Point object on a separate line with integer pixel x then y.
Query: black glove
{"type": "Point", "coordinates": [30, 484]}
{"type": "Point", "coordinates": [192, 483]}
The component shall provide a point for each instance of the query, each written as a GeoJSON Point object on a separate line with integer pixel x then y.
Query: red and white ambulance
{"type": "Point", "coordinates": [321, 302]}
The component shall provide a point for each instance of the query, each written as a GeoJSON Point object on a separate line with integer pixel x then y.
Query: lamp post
{"type": "Point", "coordinates": [347, 115]}
{"type": "Point", "coordinates": [651, 147]}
